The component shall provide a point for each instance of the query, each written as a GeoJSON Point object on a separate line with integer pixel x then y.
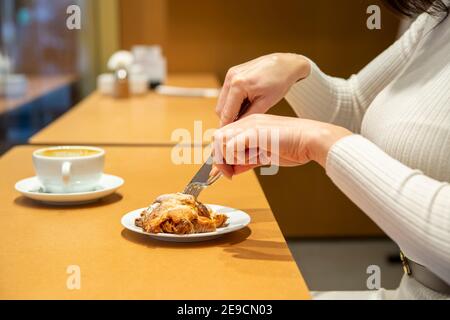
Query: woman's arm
{"type": "Point", "coordinates": [344, 102]}
{"type": "Point", "coordinates": [413, 209]}
{"type": "Point", "coordinates": [410, 207]}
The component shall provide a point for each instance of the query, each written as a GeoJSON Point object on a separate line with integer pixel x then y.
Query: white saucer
{"type": "Point", "coordinates": [31, 188]}
{"type": "Point", "coordinates": [237, 220]}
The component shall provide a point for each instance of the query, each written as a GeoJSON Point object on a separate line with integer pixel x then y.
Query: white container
{"type": "Point", "coordinates": [13, 85]}
{"type": "Point", "coordinates": [105, 84]}
{"type": "Point", "coordinates": [138, 83]}
{"type": "Point", "coordinates": [151, 61]}
{"type": "Point", "coordinates": [5, 65]}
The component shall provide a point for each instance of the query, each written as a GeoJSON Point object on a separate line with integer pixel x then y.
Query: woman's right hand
{"type": "Point", "coordinates": [263, 81]}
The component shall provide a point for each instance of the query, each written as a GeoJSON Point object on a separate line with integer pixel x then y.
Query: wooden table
{"type": "Point", "coordinates": [38, 86]}
{"type": "Point", "coordinates": [38, 243]}
{"type": "Point", "coordinates": [140, 120]}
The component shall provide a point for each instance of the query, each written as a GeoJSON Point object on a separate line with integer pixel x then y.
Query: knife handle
{"type": "Point", "coordinates": [244, 108]}
{"type": "Point", "coordinates": [215, 174]}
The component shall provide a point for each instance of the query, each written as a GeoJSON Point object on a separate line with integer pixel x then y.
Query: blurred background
{"type": "Point", "coordinates": [50, 69]}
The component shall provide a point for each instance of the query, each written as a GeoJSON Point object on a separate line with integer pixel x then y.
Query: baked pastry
{"type": "Point", "coordinates": [179, 213]}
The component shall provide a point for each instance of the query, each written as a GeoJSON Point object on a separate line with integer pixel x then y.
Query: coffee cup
{"type": "Point", "coordinates": [69, 169]}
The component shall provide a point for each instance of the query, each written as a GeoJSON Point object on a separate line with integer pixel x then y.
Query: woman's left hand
{"type": "Point", "coordinates": [260, 139]}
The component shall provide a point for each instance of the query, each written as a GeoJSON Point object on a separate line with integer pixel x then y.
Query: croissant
{"type": "Point", "coordinates": [179, 213]}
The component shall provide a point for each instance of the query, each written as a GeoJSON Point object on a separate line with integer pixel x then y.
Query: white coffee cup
{"type": "Point", "coordinates": [69, 169]}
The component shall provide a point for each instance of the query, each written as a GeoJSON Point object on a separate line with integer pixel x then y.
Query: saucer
{"type": "Point", "coordinates": [31, 188]}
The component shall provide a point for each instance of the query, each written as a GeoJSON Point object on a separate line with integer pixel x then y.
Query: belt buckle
{"type": "Point", "coordinates": [405, 265]}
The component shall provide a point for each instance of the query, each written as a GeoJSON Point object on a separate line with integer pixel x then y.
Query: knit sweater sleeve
{"type": "Point", "coordinates": [344, 101]}
{"type": "Point", "coordinates": [412, 208]}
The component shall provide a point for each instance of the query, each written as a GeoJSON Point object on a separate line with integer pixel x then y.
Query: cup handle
{"type": "Point", "coordinates": [65, 171]}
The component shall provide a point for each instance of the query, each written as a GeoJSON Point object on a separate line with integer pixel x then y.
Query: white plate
{"type": "Point", "coordinates": [31, 188]}
{"type": "Point", "coordinates": [237, 220]}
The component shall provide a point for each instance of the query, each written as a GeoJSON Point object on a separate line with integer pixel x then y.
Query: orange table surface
{"type": "Point", "coordinates": [39, 242]}
{"type": "Point", "coordinates": [150, 119]}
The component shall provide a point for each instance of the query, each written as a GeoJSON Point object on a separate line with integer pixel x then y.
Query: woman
{"type": "Point", "coordinates": [383, 137]}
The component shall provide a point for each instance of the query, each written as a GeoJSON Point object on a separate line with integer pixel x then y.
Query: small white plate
{"type": "Point", "coordinates": [31, 188]}
{"type": "Point", "coordinates": [237, 220]}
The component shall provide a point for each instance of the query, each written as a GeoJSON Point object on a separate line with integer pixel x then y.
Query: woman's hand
{"type": "Point", "coordinates": [259, 140]}
{"type": "Point", "coordinates": [263, 81]}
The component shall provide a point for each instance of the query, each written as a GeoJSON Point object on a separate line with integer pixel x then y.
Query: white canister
{"type": "Point", "coordinates": [105, 84]}
{"type": "Point", "coordinates": [13, 85]}
{"type": "Point", "coordinates": [138, 83]}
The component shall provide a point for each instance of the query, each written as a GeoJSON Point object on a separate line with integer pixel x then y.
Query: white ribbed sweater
{"type": "Point", "coordinates": [396, 167]}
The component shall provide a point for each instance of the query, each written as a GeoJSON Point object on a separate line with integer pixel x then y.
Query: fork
{"type": "Point", "coordinates": [195, 187]}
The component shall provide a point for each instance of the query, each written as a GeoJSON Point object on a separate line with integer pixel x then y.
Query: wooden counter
{"type": "Point", "coordinates": [38, 243]}
{"type": "Point", "coordinates": [140, 120]}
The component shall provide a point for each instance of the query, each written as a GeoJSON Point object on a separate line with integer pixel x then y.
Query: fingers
{"type": "Point", "coordinates": [236, 96]}
{"type": "Point", "coordinates": [236, 150]}
{"type": "Point", "coordinates": [251, 161]}
{"type": "Point", "coordinates": [214, 171]}
{"type": "Point", "coordinates": [224, 92]}
{"type": "Point", "coordinates": [230, 76]}
{"type": "Point", "coordinates": [243, 148]}
{"type": "Point", "coordinates": [218, 156]}
{"type": "Point", "coordinates": [227, 170]}
{"type": "Point", "coordinates": [233, 94]}
{"type": "Point", "coordinates": [222, 98]}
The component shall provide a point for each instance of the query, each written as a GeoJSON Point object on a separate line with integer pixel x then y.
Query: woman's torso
{"type": "Point", "coordinates": [410, 117]}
